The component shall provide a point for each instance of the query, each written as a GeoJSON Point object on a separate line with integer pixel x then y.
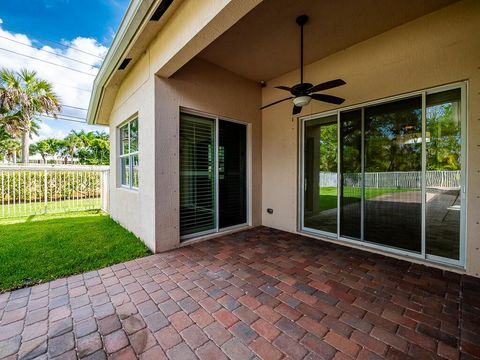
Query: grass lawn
{"type": "Point", "coordinates": [328, 195]}
{"type": "Point", "coordinates": [42, 248]}
{"type": "Point", "coordinates": [25, 209]}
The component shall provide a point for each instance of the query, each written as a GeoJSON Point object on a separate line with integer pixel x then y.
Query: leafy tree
{"type": "Point", "coordinates": [23, 99]}
{"type": "Point", "coordinates": [95, 149]}
{"type": "Point", "coordinates": [9, 148]}
{"type": "Point", "coordinates": [47, 147]}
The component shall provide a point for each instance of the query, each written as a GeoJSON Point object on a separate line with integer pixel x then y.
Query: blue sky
{"type": "Point", "coordinates": [89, 25]}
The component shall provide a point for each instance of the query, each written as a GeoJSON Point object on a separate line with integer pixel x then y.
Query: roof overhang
{"type": "Point", "coordinates": [129, 41]}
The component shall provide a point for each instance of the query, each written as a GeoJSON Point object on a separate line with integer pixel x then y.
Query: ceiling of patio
{"type": "Point", "coordinates": [265, 43]}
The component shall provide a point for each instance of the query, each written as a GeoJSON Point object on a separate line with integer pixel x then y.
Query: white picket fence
{"type": "Point", "coordinates": [399, 179]}
{"type": "Point", "coordinates": [45, 189]}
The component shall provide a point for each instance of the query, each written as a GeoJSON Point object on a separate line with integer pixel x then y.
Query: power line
{"type": "Point", "coordinates": [73, 107]}
{"type": "Point", "coordinates": [69, 46]}
{"type": "Point", "coordinates": [48, 62]}
{"type": "Point", "coordinates": [66, 119]}
{"type": "Point", "coordinates": [49, 52]}
{"type": "Point", "coordinates": [70, 86]}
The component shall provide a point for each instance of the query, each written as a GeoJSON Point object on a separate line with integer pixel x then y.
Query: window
{"type": "Point", "coordinates": [129, 154]}
{"type": "Point", "coordinates": [398, 183]}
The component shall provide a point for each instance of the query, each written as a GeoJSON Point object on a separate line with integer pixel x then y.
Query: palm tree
{"type": "Point", "coordinates": [46, 147]}
{"type": "Point", "coordinates": [23, 98]}
{"type": "Point", "coordinates": [10, 147]}
{"type": "Point", "coordinates": [72, 143]}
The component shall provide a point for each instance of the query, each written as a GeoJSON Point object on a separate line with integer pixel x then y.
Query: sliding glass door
{"type": "Point", "coordinates": [197, 175]}
{"type": "Point", "coordinates": [444, 174]}
{"type": "Point", "coordinates": [400, 175]}
{"type": "Point", "coordinates": [232, 174]}
{"type": "Point", "coordinates": [320, 185]}
{"type": "Point", "coordinates": [393, 174]}
{"type": "Point", "coordinates": [351, 174]}
{"type": "Point", "coordinates": [213, 175]}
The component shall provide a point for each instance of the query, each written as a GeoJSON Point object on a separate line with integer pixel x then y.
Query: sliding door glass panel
{"type": "Point", "coordinates": [232, 173]}
{"type": "Point", "coordinates": [350, 173]}
{"type": "Point", "coordinates": [320, 174]}
{"type": "Point", "coordinates": [197, 175]}
{"type": "Point", "coordinates": [443, 174]}
{"type": "Point", "coordinates": [393, 164]}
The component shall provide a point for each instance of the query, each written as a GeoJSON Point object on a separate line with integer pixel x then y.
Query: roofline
{"type": "Point", "coordinates": [127, 32]}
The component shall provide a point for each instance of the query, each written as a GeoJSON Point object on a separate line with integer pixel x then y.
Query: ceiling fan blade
{"type": "Point", "coordinates": [296, 110]}
{"type": "Point", "coordinates": [328, 98]}
{"type": "Point", "coordinates": [327, 85]}
{"type": "Point", "coordinates": [276, 102]}
{"type": "Point", "coordinates": [286, 88]}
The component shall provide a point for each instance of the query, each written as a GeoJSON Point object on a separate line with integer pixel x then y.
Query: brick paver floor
{"type": "Point", "coordinates": [260, 293]}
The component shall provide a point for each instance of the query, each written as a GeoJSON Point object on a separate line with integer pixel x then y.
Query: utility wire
{"type": "Point", "coordinates": [68, 46]}
{"type": "Point", "coordinates": [48, 62]}
{"type": "Point", "coordinates": [66, 119]}
{"type": "Point", "coordinates": [73, 107]}
{"type": "Point", "coordinates": [70, 86]}
{"type": "Point", "coordinates": [50, 52]}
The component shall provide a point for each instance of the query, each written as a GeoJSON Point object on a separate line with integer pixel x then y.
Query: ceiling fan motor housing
{"type": "Point", "coordinates": [301, 101]}
{"type": "Point", "coordinates": [301, 89]}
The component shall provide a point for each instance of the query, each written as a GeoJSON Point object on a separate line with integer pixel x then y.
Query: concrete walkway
{"type": "Point", "coordinates": [260, 293]}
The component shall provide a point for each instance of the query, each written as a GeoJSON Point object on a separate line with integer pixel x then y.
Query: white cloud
{"type": "Point", "coordinates": [46, 131]}
{"type": "Point", "coordinates": [73, 88]}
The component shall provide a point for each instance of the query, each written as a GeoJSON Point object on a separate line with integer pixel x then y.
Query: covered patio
{"type": "Point", "coordinates": [260, 293]}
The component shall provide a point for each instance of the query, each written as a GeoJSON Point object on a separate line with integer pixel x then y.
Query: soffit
{"type": "Point", "coordinates": [266, 42]}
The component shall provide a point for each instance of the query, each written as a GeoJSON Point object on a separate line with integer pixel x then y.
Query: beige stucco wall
{"type": "Point", "coordinates": [152, 211]}
{"type": "Point", "coordinates": [135, 209]}
{"type": "Point", "coordinates": [440, 48]}
{"type": "Point", "coordinates": [204, 87]}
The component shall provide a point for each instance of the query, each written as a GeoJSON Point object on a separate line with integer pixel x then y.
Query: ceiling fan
{"type": "Point", "coordinates": [304, 92]}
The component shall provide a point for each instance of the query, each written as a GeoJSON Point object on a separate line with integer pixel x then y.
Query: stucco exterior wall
{"type": "Point", "coordinates": [152, 211]}
{"type": "Point", "coordinates": [440, 48]}
{"type": "Point", "coordinates": [203, 87]}
{"type": "Point", "coordinates": [135, 209]}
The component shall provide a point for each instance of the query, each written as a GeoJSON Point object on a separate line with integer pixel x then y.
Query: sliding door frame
{"type": "Point", "coordinates": [216, 119]}
{"type": "Point", "coordinates": [302, 170]}
{"type": "Point", "coordinates": [422, 255]}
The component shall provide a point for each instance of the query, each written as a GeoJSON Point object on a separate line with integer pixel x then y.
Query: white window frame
{"type": "Point", "coordinates": [129, 155]}
{"type": "Point", "coordinates": [187, 239]}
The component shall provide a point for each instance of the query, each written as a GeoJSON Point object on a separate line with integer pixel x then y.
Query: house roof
{"type": "Point", "coordinates": [130, 41]}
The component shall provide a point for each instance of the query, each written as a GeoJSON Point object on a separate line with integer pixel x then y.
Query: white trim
{"type": "Point", "coordinates": [461, 263]}
{"type": "Point", "coordinates": [130, 155]}
{"type": "Point", "coordinates": [216, 180]}
{"type": "Point", "coordinates": [424, 174]}
{"type": "Point", "coordinates": [213, 235]}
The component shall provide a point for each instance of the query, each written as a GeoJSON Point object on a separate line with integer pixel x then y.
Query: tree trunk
{"type": "Point", "coordinates": [25, 147]}
{"type": "Point", "coordinates": [15, 157]}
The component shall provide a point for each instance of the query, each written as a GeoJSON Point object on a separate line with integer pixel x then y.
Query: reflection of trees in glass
{"type": "Point", "coordinates": [384, 131]}
{"type": "Point", "coordinates": [328, 148]}
{"type": "Point", "coordinates": [444, 147]}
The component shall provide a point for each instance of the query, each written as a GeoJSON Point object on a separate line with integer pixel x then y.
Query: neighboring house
{"type": "Point", "coordinates": [394, 169]}
{"type": "Point", "coordinates": [49, 159]}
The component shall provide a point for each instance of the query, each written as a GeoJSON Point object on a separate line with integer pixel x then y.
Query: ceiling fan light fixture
{"type": "Point", "coordinates": [301, 101]}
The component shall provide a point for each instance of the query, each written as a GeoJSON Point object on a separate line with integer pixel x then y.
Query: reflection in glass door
{"type": "Point", "coordinates": [320, 166]}
{"type": "Point", "coordinates": [197, 175]}
{"type": "Point", "coordinates": [393, 171]}
{"type": "Point", "coordinates": [351, 174]}
{"type": "Point", "coordinates": [401, 180]}
{"type": "Point", "coordinates": [444, 180]}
